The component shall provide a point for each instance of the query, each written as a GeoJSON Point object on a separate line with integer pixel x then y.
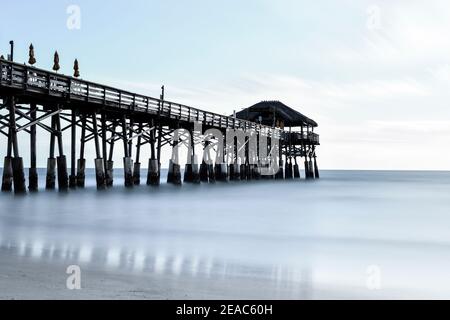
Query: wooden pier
{"type": "Point", "coordinates": [106, 116]}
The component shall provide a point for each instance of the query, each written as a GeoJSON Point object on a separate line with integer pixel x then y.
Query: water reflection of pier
{"type": "Point", "coordinates": [298, 281]}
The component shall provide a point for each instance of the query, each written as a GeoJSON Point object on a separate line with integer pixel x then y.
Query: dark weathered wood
{"type": "Point", "coordinates": [33, 174]}
{"type": "Point", "coordinates": [104, 143]}
{"type": "Point", "coordinates": [124, 137]}
{"type": "Point", "coordinates": [63, 178]}
{"type": "Point", "coordinates": [96, 139]}
{"type": "Point", "coordinates": [73, 152]}
{"type": "Point", "coordinates": [73, 100]}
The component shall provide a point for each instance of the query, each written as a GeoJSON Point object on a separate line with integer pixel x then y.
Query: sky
{"type": "Point", "coordinates": [375, 75]}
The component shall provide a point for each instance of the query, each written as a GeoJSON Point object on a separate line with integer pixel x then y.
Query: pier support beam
{"type": "Point", "coordinates": [50, 181]}
{"type": "Point", "coordinates": [235, 171]}
{"type": "Point", "coordinates": [153, 175]}
{"type": "Point", "coordinates": [223, 172]}
{"type": "Point", "coordinates": [81, 169]}
{"type": "Point", "coordinates": [203, 172]}
{"type": "Point", "coordinates": [127, 161]}
{"type": "Point", "coordinates": [63, 178]}
{"type": "Point", "coordinates": [288, 170]}
{"type": "Point", "coordinates": [7, 180]}
{"type": "Point", "coordinates": [311, 168]}
{"type": "Point", "coordinates": [18, 175]}
{"type": "Point", "coordinates": [220, 171]}
{"type": "Point", "coordinates": [108, 164]}
{"type": "Point", "coordinates": [100, 173]}
{"type": "Point", "coordinates": [188, 176]}
{"type": "Point", "coordinates": [153, 172]}
{"type": "Point", "coordinates": [137, 164]}
{"type": "Point", "coordinates": [256, 172]}
{"type": "Point", "coordinates": [211, 173]}
{"type": "Point", "coordinates": [307, 171]}
{"type": "Point", "coordinates": [174, 173]}
{"type": "Point", "coordinates": [217, 172]}
{"type": "Point", "coordinates": [32, 172]}
{"type": "Point", "coordinates": [99, 161]}
{"type": "Point", "coordinates": [296, 169]}
{"type": "Point", "coordinates": [188, 169]}
{"type": "Point", "coordinates": [280, 174]}
{"type": "Point", "coordinates": [73, 145]}
{"type": "Point", "coordinates": [251, 172]}
{"type": "Point", "coordinates": [191, 173]}
{"type": "Point", "coordinates": [207, 167]}
{"type": "Point", "coordinates": [15, 166]}
{"type": "Point", "coordinates": [128, 171]}
{"type": "Point", "coordinates": [234, 167]}
{"type": "Point", "coordinates": [109, 173]}
{"type": "Point", "coordinates": [137, 173]}
{"type": "Point", "coordinates": [109, 170]}
{"type": "Point", "coordinates": [316, 169]}
{"type": "Point", "coordinates": [243, 171]}
{"type": "Point", "coordinates": [195, 171]}
{"type": "Point", "coordinates": [81, 163]}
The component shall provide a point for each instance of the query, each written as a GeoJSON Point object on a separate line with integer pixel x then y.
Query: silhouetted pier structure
{"type": "Point", "coordinates": [106, 116]}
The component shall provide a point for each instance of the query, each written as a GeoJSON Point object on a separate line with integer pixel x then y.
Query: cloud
{"type": "Point", "coordinates": [376, 91]}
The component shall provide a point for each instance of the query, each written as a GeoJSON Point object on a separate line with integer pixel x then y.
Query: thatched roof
{"type": "Point", "coordinates": [291, 117]}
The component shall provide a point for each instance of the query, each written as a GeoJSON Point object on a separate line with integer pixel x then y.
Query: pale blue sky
{"type": "Point", "coordinates": [374, 74]}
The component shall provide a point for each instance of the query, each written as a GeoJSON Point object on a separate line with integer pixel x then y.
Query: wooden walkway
{"type": "Point", "coordinates": [106, 115]}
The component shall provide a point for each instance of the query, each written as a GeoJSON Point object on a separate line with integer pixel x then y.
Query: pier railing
{"type": "Point", "coordinates": [39, 81]}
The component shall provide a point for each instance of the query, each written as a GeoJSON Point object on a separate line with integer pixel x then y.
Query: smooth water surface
{"type": "Point", "coordinates": [351, 234]}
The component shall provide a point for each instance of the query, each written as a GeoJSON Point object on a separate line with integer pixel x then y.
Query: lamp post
{"type": "Point", "coordinates": [31, 59]}
{"type": "Point", "coordinates": [11, 56]}
{"type": "Point", "coordinates": [56, 66]}
{"type": "Point", "coordinates": [76, 69]}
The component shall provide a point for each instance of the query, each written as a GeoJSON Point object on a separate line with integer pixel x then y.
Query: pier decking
{"type": "Point", "coordinates": [106, 115]}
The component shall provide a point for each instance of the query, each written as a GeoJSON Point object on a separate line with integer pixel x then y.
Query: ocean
{"type": "Point", "coordinates": [351, 234]}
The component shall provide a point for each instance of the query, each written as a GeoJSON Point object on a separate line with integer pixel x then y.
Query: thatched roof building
{"type": "Point", "coordinates": [275, 113]}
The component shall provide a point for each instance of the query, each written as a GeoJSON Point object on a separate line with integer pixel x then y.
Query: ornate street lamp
{"type": "Point", "coordinates": [31, 59]}
{"type": "Point", "coordinates": [76, 70]}
{"type": "Point", "coordinates": [56, 66]}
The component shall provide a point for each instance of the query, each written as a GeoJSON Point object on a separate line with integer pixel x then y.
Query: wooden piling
{"type": "Point", "coordinates": [31, 86]}
{"type": "Point", "coordinates": [32, 173]}
{"type": "Point", "coordinates": [17, 161]}
{"type": "Point", "coordinates": [174, 172]}
{"type": "Point", "coordinates": [7, 180]}
{"type": "Point", "coordinates": [109, 170]}
{"type": "Point", "coordinates": [50, 181]}
{"type": "Point", "coordinates": [104, 147]}
{"type": "Point", "coordinates": [81, 163]}
{"type": "Point", "coordinates": [203, 171]}
{"type": "Point", "coordinates": [127, 161]}
{"type": "Point", "coordinates": [296, 169]}
{"type": "Point", "coordinates": [63, 178]}
{"type": "Point", "coordinates": [153, 165]}
{"type": "Point", "coordinates": [316, 168]}
{"type": "Point", "coordinates": [99, 162]}
{"type": "Point", "coordinates": [137, 163]}
{"type": "Point", "coordinates": [73, 155]}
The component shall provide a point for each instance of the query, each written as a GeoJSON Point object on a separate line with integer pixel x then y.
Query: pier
{"type": "Point", "coordinates": [113, 119]}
